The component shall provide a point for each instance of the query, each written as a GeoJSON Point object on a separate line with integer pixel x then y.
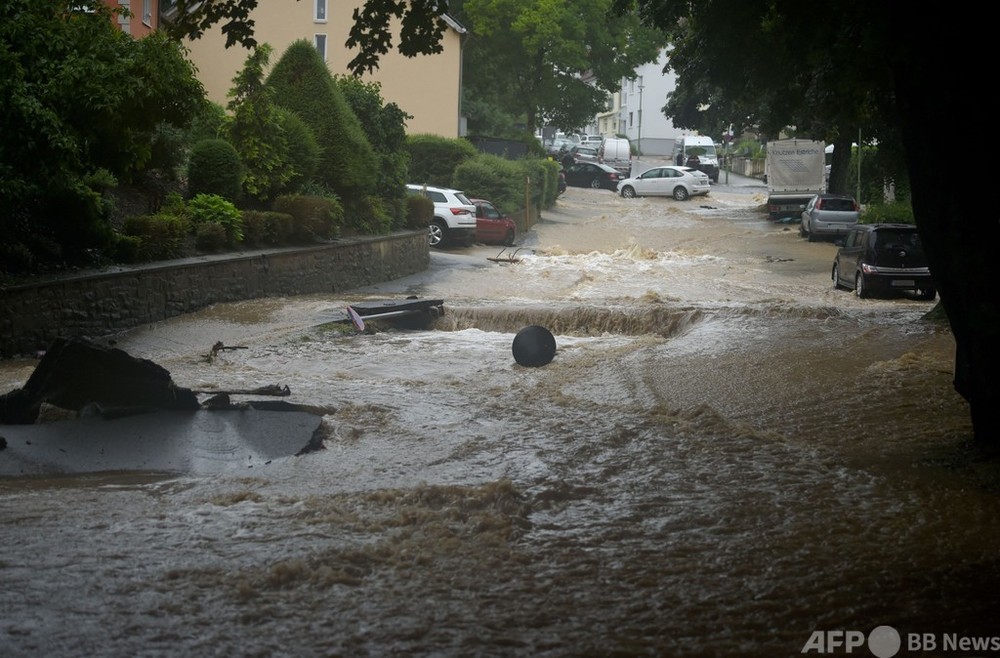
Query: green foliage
{"type": "Point", "coordinates": [529, 57]}
{"type": "Point", "coordinates": [433, 159]}
{"type": "Point", "coordinates": [419, 211]}
{"type": "Point", "coordinates": [385, 127]}
{"type": "Point", "coordinates": [314, 218]}
{"type": "Point", "coordinates": [208, 208]}
{"type": "Point", "coordinates": [887, 213]}
{"type": "Point", "coordinates": [208, 123]}
{"type": "Point", "coordinates": [78, 95]}
{"type": "Point", "coordinates": [215, 168]}
{"type": "Point", "coordinates": [257, 132]}
{"type": "Point", "coordinates": [267, 228]}
{"type": "Point", "coordinates": [304, 85]}
{"type": "Point", "coordinates": [303, 150]}
{"type": "Point", "coordinates": [210, 237]}
{"type": "Point", "coordinates": [159, 237]}
{"type": "Point", "coordinates": [491, 177]}
{"type": "Point", "coordinates": [370, 215]}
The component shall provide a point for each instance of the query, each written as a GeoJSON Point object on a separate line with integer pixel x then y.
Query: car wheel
{"type": "Point", "coordinates": [628, 192]}
{"type": "Point", "coordinates": [927, 293]}
{"type": "Point", "coordinates": [810, 236]}
{"type": "Point", "coordinates": [596, 184]}
{"type": "Point", "coordinates": [859, 286]}
{"type": "Point", "coordinates": [802, 231]}
{"type": "Point", "coordinates": [436, 233]}
{"type": "Point", "coordinates": [680, 193]}
{"type": "Point", "coordinates": [508, 239]}
{"type": "Point", "coordinates": [836, 277]}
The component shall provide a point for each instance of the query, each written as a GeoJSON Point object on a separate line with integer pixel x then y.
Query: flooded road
{"type": "Point", "coordinates": [725, 456]}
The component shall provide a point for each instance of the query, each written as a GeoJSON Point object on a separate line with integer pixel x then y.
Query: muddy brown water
{"type": "Point", "coordinates": [725, 456]}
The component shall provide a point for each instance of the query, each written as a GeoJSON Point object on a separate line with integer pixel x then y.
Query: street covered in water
{"type": "Point", "coordinates": [725, 456]}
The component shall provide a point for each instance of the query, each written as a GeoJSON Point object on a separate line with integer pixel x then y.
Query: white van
{"type": "Point", "coordinates": [688, 147]}
{"type": "Point", "coordinates": [616, 152]}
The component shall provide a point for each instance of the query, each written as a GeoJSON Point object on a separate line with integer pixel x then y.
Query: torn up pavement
{"type": "Point", "coordinates": [131, 416]}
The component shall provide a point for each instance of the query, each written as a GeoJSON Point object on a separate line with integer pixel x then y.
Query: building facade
{"type": "Point", "coordinates": [144, 16]}
{"type": "Point", "coordinates": [641, 117]}
{"type": "Point", "coordinates": [427, 86]}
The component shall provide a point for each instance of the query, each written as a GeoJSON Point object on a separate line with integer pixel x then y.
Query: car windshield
{"type": "Point", "coordinates": [898, 239]}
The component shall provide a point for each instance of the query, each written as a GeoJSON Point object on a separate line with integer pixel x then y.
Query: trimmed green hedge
{"type": "Point", "coordinates": [433, 159]}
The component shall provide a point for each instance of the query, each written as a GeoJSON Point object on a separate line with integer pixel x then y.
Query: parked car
{"type": "Point", "coordinates": [492, 226]}
{"type": "Point", "coordinates": [828, 215]}
{"type": "Point", "coordinates": [592, 174]}
{"type": "Point", "coordinates": [616, 152]}
{"type": "Point", "coordinates": [883, 258]}
{"type": "Point", "coordinates": [454, 220]}
{"type": "Point", "coordinates": [584, 153]}
{"type": "Point", "coordinates": [670, 180]}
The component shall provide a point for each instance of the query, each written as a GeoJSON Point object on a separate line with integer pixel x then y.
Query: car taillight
{"type": "Point", "coordinates": [460, 211]}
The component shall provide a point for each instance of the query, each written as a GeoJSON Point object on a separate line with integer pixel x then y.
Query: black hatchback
{"type": "Point", "coordinates": [883, 258]}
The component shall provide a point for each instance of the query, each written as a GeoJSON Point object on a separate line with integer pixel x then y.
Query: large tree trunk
{"type": "Point", "coordinates": [959, 226]}
{"type": "Point", "coordinates": [839, 165]}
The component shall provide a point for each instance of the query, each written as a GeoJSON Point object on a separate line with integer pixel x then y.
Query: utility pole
{"type": "Point", "coordinates": [638, 145]}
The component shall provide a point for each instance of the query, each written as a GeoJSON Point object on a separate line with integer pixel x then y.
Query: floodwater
{"type": "Point", "coordinates": [725, 456]}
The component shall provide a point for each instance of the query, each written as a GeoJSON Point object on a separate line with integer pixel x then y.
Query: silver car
{"type": "Point", "coordinates": [828, 215]}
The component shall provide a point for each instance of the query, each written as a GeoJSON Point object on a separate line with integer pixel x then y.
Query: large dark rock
{"type": "Point", "coordinates": [77, 373]}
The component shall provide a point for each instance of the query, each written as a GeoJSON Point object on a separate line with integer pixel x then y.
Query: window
{"type": "Point", "coordinates": [147, 12]}
{"type": "Point", "coordinates": [319, 40]}
{"type": "Point", "coordinates": [320, 14]}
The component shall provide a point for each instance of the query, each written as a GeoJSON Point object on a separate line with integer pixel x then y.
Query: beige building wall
{"type": "Point", "coordinates": [427, 86]}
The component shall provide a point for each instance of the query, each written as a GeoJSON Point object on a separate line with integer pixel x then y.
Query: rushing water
{"type": "Point", "coordinates": [725, 456]}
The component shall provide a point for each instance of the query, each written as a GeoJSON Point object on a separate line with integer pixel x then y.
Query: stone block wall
{"type": "Point", "coordinates": [107, 302]}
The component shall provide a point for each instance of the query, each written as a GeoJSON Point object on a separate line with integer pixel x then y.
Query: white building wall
{"type": "Point", "coordinates": [641, 118]}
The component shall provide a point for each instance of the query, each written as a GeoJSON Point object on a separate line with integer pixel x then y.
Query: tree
{"type": "Point", "coordinates": [257, 132]}
{"type": "Point", "coordinates": [385, 126]}
{"type": "Point", "coordinates": [531, 58]}
{"type": "Point", "coordinates": [304, 85]}
{"type": "Point", "coordinates": [80, 102]}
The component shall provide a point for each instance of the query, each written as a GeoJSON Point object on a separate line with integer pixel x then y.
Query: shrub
{"type": "Point", "coordinates": [887, 213]}
{"type": "Point", "coordinates": [369, 215]}
{"type": "Point", "coordinates": [210, 236]}
{"type": "Point", "coordinates": [161, 236]}
{"type": "Point", "coordinates": [419, 211]}
{"type": "Point", "coordinates": [491, 177]}
{"type": "Point", "coordinates": [313, 217]}
{"type": "Point", "coordinates": [126, 248]}
{"type": "Point", "coordinates": [269, 228]}
{"type": "Point", "coordinates": [215, 168]}
{"type": "Point", "coordinates": [208, 208]}
{"type": "Point", "coordinates": [303, 150]}
{"type": "Point", "coordinates": [433, 159]}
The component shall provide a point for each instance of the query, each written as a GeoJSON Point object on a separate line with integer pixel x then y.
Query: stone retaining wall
{"type": "Point", "coordinates": [107, 302]}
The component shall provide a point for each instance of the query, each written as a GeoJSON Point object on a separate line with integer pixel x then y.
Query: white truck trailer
{"type": "Point", "coordinates": [794, 171]}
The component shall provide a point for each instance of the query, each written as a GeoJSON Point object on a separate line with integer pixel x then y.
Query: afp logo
{"type": "Point", "coordinates": [882, 642]}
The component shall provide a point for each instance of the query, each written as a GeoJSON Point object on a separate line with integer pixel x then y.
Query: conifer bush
{"type": "Point", "coordinates": [215, 168]}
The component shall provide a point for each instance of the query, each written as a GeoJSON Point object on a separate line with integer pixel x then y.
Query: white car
{"type": "Point", "coordinates": [454, 215]}
{"type": "Point", "coordinates": [678, 182]}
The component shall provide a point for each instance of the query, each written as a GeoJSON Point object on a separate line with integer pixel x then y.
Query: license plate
{"type": "Point", "coordinates": [903, 283]}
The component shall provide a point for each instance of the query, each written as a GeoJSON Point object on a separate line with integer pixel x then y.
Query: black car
{"type": "Point", "coordinates": [592, 174]}
{"type": "Point", "coordinates": [883, 258]}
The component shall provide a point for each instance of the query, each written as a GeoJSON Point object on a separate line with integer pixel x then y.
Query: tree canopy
{"type": "Point", "coordinates": [551, 61]}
